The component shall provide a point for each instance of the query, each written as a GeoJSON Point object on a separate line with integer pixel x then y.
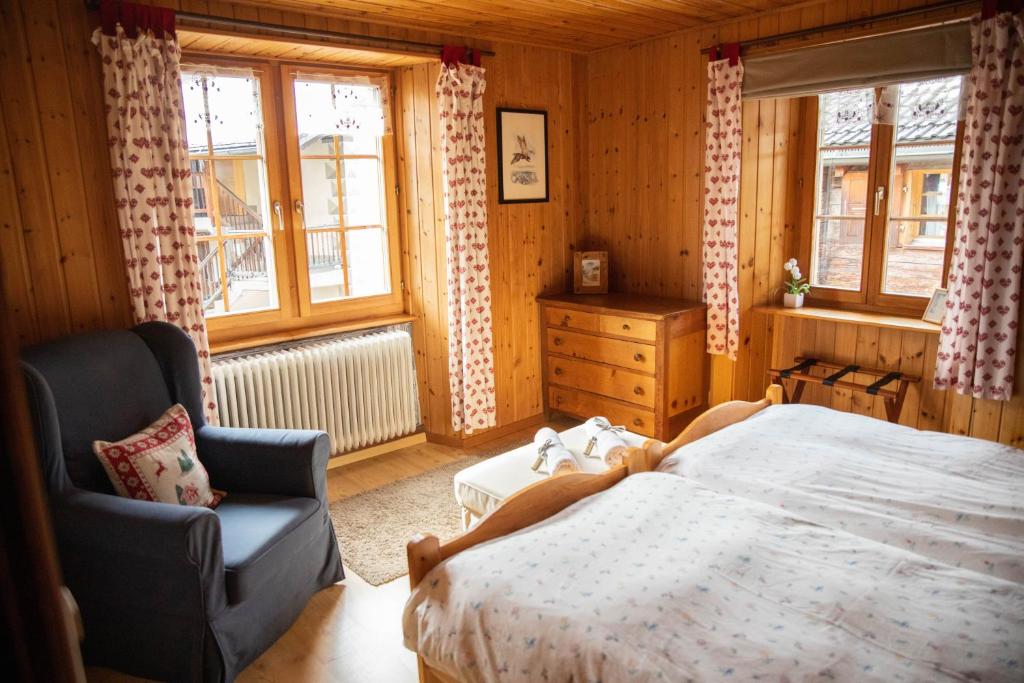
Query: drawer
{"type": "Point", "coordinates": [626, 354]}
{"type": "Point", "coordinates": [564, 317]}
{"type": "Point", "coordinates": [634, 328]}
{"type": "Point", "coordinates": [619, 383]}
{"type": "Point", "coordinates": [585, 405]}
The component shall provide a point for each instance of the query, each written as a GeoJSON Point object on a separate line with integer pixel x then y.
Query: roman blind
{"type": "Point", "coordinates": [861, 63]}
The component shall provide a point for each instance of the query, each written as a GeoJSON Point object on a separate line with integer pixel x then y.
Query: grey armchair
{"type": "Point", "coordinates": [167, 591]}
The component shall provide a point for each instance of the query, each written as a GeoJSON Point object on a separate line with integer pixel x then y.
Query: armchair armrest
{"type": "Point", "coordinates": [155, 556]}
{"type": "Point", "coordinates": [283, 461]}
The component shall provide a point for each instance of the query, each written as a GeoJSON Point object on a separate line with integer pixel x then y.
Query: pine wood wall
{"type": "Point", "coordinates": [640, 167]}
{"type": "Point", "coordinates": [61, 260]}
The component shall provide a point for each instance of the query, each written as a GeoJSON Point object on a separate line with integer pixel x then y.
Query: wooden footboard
{"type": "Point", "coordinates": [546, 498]}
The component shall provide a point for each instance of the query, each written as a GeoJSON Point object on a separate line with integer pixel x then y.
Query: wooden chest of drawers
{"type": "Point", "coordinates": [639, 361]}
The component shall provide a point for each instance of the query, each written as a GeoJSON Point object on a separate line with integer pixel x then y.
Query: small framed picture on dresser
{"type": "Point", "coordinates": [590, 272]}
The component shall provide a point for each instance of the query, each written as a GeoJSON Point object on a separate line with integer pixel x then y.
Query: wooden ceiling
{"type": "Point", "coordinates": [233, 43]}
{"type": "Point", "coordinates": [578, 25]}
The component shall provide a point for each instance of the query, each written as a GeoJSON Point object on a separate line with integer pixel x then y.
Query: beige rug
{"type": "Point", "coordinates": [374, 526]}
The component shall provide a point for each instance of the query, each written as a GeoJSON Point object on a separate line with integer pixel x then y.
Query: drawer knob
{"type": "Point", "coordinates": [558, 371]}
{"type": "Point", "coordinates": [558, 341]}
{"type": "Point", "coordinates": [638, 390]}
{"type": "Point", "coordinates": [566, 319]}
{"type": "Point", "coordinates": [638, 357]}
{"type": "Point", "coordinates": [626, 326]}
{"type": "Point", "coordinates": [637, 422]}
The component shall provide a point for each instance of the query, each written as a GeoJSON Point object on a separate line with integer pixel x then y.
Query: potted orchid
{"type": "Point", "coordinates": [796, 285]}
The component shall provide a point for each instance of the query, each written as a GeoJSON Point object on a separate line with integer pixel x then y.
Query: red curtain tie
{"type": "Point", "coordinates": [134, 18]}
{"type": "Point", "coordinates": [730, 51]}
{"type": "Point", "coordinates": [457, 54]}
{"type": "Point", "coordinates": [990, 8]}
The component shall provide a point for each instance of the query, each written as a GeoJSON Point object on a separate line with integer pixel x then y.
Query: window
{"type": "Point", "coordinates": [300, 237]}
{"type": "Point", "coordinates": [882, 193]}
{"type": "Point", "coordinates": [224, 124]}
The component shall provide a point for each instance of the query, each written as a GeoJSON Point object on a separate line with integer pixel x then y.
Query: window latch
{"type": "Point", "coordinates": [280, 216]}
{"type": "Point", "coordinates": [299, 206]}
{"type": "Point", "coordinates": [879, 196]}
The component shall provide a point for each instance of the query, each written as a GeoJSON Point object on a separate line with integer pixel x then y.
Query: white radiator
{"type": "Point", "coordinates": [360, 390]}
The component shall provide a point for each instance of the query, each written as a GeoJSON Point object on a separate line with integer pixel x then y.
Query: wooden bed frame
{"type": "Point", "coordinates": [549, 497]}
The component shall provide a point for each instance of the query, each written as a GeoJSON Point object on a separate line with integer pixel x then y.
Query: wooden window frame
{"type": "Point", "coordinates": [216, 325]}
{"type": "Point", "coordinates": [376, 305]}
{"type": "Point", "coordinates": [296, 316]}
{"type": "Point", "coordinates": [870, 296]}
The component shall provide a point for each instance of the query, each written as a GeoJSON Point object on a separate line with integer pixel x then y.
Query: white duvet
{"type": "Point", "coordinates": [660, 579]}
{"type": "Point", "coordinates": [855, 551]}
{"type": "Point", "coordinates": [950, 498]}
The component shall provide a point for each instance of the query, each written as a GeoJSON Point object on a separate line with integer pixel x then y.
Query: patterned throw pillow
{"type": "Point", "coordinates": [159, 463]}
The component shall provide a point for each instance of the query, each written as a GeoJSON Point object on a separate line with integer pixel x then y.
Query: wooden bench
{"type": "Point", "coordinates": [801, 373]}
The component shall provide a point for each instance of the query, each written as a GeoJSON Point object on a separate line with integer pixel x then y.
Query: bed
{"type": "Point", "coordinates": [803, 552]}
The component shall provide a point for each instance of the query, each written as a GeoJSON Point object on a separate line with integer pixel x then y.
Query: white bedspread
{"type": "Point", "coordinates": [660, 579]}
{"type": "Point", "coordinates": [950, 498]}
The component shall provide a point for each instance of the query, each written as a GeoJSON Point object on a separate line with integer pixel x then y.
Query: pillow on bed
{"type": "Point", "coordinates": [159, 463]}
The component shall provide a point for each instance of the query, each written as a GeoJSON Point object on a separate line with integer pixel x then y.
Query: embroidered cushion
{"type": "Point", "coordinates": [159, 463]}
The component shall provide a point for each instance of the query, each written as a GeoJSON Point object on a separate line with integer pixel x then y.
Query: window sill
{"type": "Point", "coordinates": [306, 333]}
{"type": "Point", "coordinates": [836, 315]}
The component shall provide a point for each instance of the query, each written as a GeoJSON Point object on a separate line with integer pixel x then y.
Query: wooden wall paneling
{"type": "Point", "coordinates": [867, 356]}
{"type": "Point", "coordinates": [824, 347]}
{"type": "Point", "coordinates": [933, 403]}
{"type": "Point", "coordinates": [89, 119]}
{"type": "Point", "coordinates": [15, 277]}
{"type": "Point", "coordinates": [49, 76]}
{"type": "Point", "coordinates": [37, 223]}
{"type": "Point", "coordinates": [404, 111]}
{"type": "Point", "coordinates": [890, 350]}
{"type": "Point", "coordinates": [912, 357]}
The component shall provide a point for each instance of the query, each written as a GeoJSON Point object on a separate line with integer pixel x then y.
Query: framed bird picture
{"type": "Point", "coordinates": [522, 156]}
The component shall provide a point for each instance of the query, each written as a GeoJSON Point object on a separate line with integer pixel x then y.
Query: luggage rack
{"type": "Point", "coordinates": [800, 372]}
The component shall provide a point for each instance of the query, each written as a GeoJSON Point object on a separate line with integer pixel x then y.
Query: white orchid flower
{"type": "Point", "coordinates": [796, 273]}
{"type": "Point", "coordinates": [787, 266]}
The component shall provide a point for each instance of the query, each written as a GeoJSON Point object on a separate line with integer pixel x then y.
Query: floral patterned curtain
{"type": "Point", "coordinates": [723, 136]}
{"type": "Point", "coordinates": [460, 92]}
{"type": "Point", "coordinates": [978, 341]}
{"type": "Point", "coordinates": [152, 177]}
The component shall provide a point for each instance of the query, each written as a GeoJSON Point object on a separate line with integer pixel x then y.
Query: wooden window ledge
{"type": "Point", "coordinates": [836, 315]}
{"type": "Point", "coordinates": [250, 342]}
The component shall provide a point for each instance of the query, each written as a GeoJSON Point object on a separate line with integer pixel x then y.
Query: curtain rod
{"type": "Point", "coordinates": [352, 39]}
{"type": "Point", "coordinates": [850, 23]}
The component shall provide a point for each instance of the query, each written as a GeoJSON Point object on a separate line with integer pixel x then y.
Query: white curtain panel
{"type": "Point", "coordinates": [460, 92]}
{"type": "Point", "coordinates": [978, 341]}
{"type": "Point", "coordinates": [722, 145]}
{"type": "Point", "coordinates": [153, 184]}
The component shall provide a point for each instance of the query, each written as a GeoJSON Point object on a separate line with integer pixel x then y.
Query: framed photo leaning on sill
{"type": "Point", "coordinates": [936, 307]}
{"type": "Point", "coordinates": [522, 156]}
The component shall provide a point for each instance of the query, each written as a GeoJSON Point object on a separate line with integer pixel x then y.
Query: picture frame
{"type": "Point", "coordinates": [590, 272]}
{"type": "Point", "coordinates": [522, 156]}
{"type": "Point", "coordinates": [936, 308]}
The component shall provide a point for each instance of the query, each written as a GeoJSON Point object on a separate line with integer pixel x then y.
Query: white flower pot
{"type": "Point", "coordinates": [792, 300]}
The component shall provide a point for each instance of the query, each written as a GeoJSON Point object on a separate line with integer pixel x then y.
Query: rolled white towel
{"type": "Point", "coordinates": [561, 461]}
{"type": "Point", "coordinates": [605, 442]}
{"type": "Point", "coordinates": [550, 449]}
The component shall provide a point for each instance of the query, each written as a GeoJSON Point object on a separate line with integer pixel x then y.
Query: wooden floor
{"type": "Point", "coordinates": [352, 632]}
